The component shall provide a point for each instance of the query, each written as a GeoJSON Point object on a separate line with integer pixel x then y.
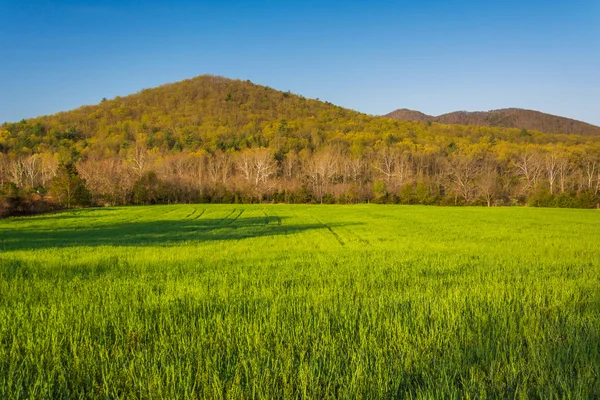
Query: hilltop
{"type": "Point", "coordinates": [507, 118]}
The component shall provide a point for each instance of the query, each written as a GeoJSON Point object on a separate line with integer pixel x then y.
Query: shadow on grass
{"type": "Point", "coordinates": [148, 233]}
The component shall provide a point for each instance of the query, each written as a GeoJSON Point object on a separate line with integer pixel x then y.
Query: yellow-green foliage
{"type": "Point", "coordinates": [210, 112]}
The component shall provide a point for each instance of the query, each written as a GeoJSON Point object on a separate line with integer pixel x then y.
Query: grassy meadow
{"type": "Point", "coordinates": [284, 301]}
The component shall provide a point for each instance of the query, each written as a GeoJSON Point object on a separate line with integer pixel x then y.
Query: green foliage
{"type": "Point", "coordinates": [148, 189]}
{"type": "Point", "coordinates": [380, 193]}
{"type": "Point", "coordinates": [9, 189]}
{"type": "Point", "coordinates": [407, 194]}
{"type": "Point", "coordinates": [564, 200]}
{"type": "Point", "coordinates": [68, 189]}
{"type": "Point", "coordinates": [279, 301]}
{"type": "Point", "coordinates": [587, 199]}
{"type": "Point", "coordinates": [423, 194]}
{"type": "Point", "coordinates": [541, 197]}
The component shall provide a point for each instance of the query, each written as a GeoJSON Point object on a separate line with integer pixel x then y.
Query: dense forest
{"type": "Point", "coordinates": [507, 118]}
{"type": "Point", "coordinates": [212, 139]}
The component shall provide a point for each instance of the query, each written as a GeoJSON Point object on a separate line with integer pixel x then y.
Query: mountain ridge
{"type": "Point", "coordinates": [506, 118]}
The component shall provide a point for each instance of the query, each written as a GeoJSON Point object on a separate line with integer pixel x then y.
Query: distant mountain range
{"type": "Point", "coordinates": [507, 118]}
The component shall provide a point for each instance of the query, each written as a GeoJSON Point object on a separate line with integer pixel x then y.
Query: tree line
{"type": "Point", "coordinates": [475, 174]}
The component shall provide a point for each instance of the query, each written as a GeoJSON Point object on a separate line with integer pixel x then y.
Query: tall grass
{"type": "Point", "coordinates": [301, 302]}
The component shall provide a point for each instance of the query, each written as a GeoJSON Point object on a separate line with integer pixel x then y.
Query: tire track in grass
{"type": "Point", "coordinates": [178, 221]}
{"type": "Point", "coordinates": [190, 214]}
{"type": "Point", "coordinates": [169, 211]}
{"type": "Point", "coordinates": [134, 215]}
{"type": "Point", "coordinates": [79, 224]}
{"type": "Point", "coordinates": [357, 236]}
{"type": "Point", "coordinates": [199, 215]}
{"type": "Point", "coordinates": [211, 224]}
{"type": "Point", "coordinates": [335, 235]}
{"type": "Point", "coordinates": [194, 228]}
{"type": "Point", "coordinates": [276, 230]}
{"type": "Point", "coordinates": [302, 238]}
{"type": "Point", "coordinates": [225, 218]}
{"type": "Point", "coordinates": [267, 216]}
{"type": "Point", "coordinates": [154, 216]}
{"type": "Point", "coordinates": [162, 220]}
{"type": "Point", "coordinates": [138, 214]}
{"type": "Point", "coordinates": [236, 217]}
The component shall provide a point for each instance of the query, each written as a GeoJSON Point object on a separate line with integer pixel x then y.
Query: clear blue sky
{"type": "Point", "coordinates": [373, 56]}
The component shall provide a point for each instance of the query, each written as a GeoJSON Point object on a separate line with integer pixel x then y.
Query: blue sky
{"type": "Point", "coordinates": [373, 56]}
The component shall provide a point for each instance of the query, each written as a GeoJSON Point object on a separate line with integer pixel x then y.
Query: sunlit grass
{"type": "Point", "coordinates": [209, 301]}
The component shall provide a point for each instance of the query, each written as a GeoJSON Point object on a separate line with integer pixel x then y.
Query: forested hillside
{"type": "Point", "coordinates": [213, 139]}
{"type": "Point", "coordinates": [507, 118]}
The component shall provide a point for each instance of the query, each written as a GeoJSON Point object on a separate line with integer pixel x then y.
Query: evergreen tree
{"type": "Point", "coordinates": [147, 189]}
{"type": "Point", "coordinates": [68, 189]}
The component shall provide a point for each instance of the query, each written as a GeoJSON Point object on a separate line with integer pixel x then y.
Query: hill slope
{"type": "Point", "coordinates": [206, 112]}
{"type": "Point", "coordinates": [508, 118]}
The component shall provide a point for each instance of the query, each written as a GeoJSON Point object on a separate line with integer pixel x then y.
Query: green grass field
{"type": "Point", "coordinates": [281, 301]}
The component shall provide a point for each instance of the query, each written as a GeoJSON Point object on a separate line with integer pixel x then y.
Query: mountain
{"type": "Point", "coordinates": [213, 139]}
{"type": "Point", "coordinates": [206, 112]}
{"type": "Point", "coordinates": [508, 118]}
{"type": "Point", "coordinates": [404, 114]}
{"type": "Point", "coordinates": [211, 113]}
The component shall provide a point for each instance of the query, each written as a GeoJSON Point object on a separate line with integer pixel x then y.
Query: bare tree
{"type": "Point", "coordinates": [385, 162]}
{"type": "Point", "coordinates": [463, 171]}
{"type": "Point", "coordinates": [321, 168]}
{"type": "Point", "coordinates": [290, 169]}
{"type": "Point", "coordinates": [16, 171]}
{"type": "Point", "coordinates": [3, 169]}
{"type": "Point", "coordinates": [32, 169]}
{"type": "Point", "coordinates": [291, 164]}
{"type": "Point", "coordinates": [529, 167]}
{"type": "Point", "coordinates": [597, 188]}
{"type": "Point", "coordinates": [256, 166]}
{"type": "Point", "coordinates": [404, 168]}
{"type": "Point", "coordinates": [200, 172]}
{"type": "Point", "coordinates": [551, 164]}
{"type": "Point", "coordinates": [591, 164]}
{"type": "Point", "coordinates": [487, 181]}
{"type": "Point", "coordinates": [244, 163]}
{"type": "Point", "coordinates": [139, 158]}
{"type": "Point", "coordinates": [219, 167]}
{"type": "Point", "coordinates": [264, 166]}
{"type": "Point", "coordinates": [357, 168]}
{"type": "Point", "coordinates": [109, 180]}
{"type": "Point", "coordinates": [565, 169]}
{"type": "Point", "coordinates": [48, 168]}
